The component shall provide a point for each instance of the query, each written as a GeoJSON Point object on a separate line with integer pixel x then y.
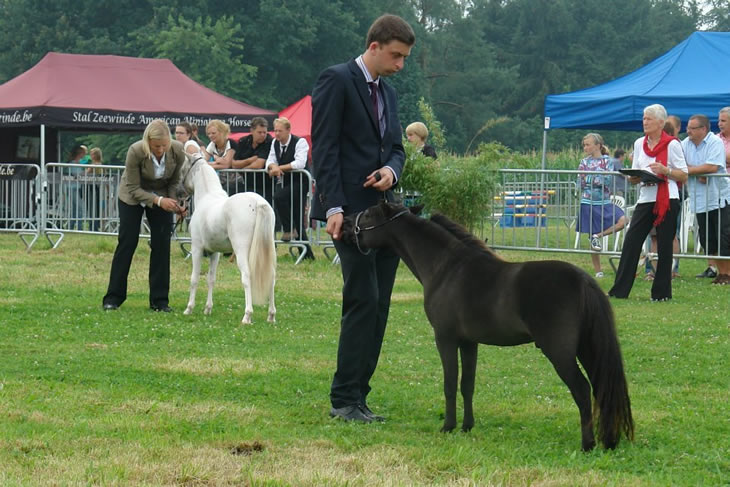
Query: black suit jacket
{"type": "Point", "coordinates": [346, 141]}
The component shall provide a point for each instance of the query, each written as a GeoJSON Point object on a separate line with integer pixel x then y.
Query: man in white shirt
{"type": "Point", "coordinates": [709, 197]}
{"type": "Point", "coordinates": [289, 153]}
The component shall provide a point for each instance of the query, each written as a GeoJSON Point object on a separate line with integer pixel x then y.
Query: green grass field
{"type": "Point", "coordinates": [140, 398]}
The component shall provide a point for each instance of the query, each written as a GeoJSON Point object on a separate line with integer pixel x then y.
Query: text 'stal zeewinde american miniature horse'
{"type": "Point", "coordinates": [471, 296]}
{"type": "Point", "coordinates": [242, 223]}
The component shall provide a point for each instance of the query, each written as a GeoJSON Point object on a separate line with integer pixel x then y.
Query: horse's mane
{"type": "Point", "coordinates": [462, 234]}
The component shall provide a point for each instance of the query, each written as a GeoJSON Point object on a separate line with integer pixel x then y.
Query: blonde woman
{"type": "Point", "coordinates": [147, 186]}
{"type": "Point", "coordinates": [219, 152]}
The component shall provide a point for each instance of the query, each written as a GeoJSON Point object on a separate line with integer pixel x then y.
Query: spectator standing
{"type": "Point", "coordinates": [658, 205]}
{"type": "Point", "coordinates": [252, 152]}
{"type": "Point", "coordinates": [148, 186]}
{"type": "Point", "coordinates": [723, 124]}
{"type": "Point", "coordinates": [288, 153]}
{"type": "Point", "coordinates": [417, 133]}
{"type": "Point", "coordinates": [619, 156]}
{"type": "Point", "coordinates": [74, 188]}
{"type": "Point", "coordinates": [598, 215]}
{"type": "Point", "coordinates": [94, 202]}
{"type": "Point", "coordinates": [709, 197]}
{"type": "Point", "coordinates": [358, 157]}
{"type": "Point", "coordinates": [219, 152]}
{"type": "Point", "coordinates": [184, 135]}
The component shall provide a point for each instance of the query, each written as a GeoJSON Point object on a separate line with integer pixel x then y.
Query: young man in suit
{"type": "Point", "coordinates": [358, 157]}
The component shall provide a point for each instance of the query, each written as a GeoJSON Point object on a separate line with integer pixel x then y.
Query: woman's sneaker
{"type": "Point", "coordinates": [599, 275]}
{"type": "Point", "coordinates": [596, 243]}
{"type": "Point", "coordinates": [709, 272]}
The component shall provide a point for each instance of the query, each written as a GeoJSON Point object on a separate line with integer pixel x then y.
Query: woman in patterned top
{"type": "Point", "coordinates": [598, 215]}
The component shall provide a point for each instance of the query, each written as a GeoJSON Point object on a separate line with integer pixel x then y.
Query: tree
{"type": "Point", "coordinates": [717, 16]}
{"type": "Point", "coordinates": [209, 51]}
{"type": "Point", "coordinates": [31, 28]}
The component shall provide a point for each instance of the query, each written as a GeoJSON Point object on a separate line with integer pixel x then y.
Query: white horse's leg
{"type": "Point", "coordinates": [215, 256]}
{"type": "Point", "coordinates": [272, 308]}
{"type": "Point", "coordinates": [196, 252]}
{"type": "Point", "coordinates": [242, 259]}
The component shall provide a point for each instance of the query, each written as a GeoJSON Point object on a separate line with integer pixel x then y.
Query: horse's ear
{"type": "Point", "coordinates": [416, 209]}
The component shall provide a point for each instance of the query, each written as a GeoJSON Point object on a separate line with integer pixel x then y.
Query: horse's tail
{"type": "Point", "coordinates": [600, 354]}
{"type": "Point", "coordinates": [262, 255]}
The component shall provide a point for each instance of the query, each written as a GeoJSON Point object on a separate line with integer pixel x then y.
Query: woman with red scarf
{"type": "Point", "coordinates": [658, 205]}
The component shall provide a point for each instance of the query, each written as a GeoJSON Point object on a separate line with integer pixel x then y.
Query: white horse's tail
{"type": "Point", "coordinates": [262, 255]}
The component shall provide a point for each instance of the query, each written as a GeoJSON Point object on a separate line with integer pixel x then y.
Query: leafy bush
{"type": "Point", "coordinates": [460, 187]}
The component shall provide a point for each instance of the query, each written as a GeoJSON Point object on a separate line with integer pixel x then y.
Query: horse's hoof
{"type": "Point", "coordinates": [188, 311]}
{"type": "Point", "coordinates": [271, 319]}
{"type": "Point", "coordinates": [447, 429]}
{"type": "Point", "coordinates": [207, 311]}
{"type": "Point", "coordinates": [466, 429]}
{"type": "Point", "coordinates": [246, 319]}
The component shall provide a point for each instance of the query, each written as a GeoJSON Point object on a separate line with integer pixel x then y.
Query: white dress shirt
{"type": "Point", "coordinates": [300, 153]}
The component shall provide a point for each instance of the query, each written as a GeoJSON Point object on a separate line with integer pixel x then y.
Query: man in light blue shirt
{"type": "Point", "coordinates": [710, 197]}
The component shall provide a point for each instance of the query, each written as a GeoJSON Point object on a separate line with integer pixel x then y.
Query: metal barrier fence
{"type": "Point", "coordinates": [532, 209]}
{"type": "Point", "coordinates": [20, 201]}
{"type": "Point", "coordinates": [539, 210]}
{"type": "Point", "coordinates": [80, 198]}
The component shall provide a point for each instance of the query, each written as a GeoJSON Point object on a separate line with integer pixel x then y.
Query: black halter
{"type": "Point", "coordinates": [357, 230]}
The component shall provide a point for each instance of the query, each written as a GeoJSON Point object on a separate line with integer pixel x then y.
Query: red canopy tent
{"type": "Point", "coordinates": [299, 114]}
{"type": "Point", "coordinates": [104, 92]}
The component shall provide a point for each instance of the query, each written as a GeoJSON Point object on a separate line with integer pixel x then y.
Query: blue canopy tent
{"type": "Point", "coordinates": [693, 77]}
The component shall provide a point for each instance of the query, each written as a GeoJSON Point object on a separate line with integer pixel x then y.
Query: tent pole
{"type": "Point", "coordinates": [542, 176]}
{"type": "Point", "coordinates": [44, 182]}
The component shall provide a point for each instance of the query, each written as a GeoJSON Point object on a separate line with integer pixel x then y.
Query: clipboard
{"type": "Point", "coordinates": [646, 176]}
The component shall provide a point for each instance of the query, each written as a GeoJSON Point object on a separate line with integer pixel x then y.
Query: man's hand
{"type": "Point", "coordinates": [275, 171]}
{"type": "Point", "coordinates": [382, 179]}
{"type": "Point", "coordinates": [334, 225]}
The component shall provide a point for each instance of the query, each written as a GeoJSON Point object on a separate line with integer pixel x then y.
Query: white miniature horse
{"type": "Point", "coordinates": [242, 223]}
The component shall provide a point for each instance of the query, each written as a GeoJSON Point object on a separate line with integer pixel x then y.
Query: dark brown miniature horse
{"type": "Point", "coordinates": [471, 296]}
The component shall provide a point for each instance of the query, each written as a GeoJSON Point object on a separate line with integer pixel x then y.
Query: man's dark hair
{"type": "Point", "coordinates": [388, 28]}
{"type": "Point", "coordinates": [702, 119]}
{"type": "Point", "coordinates": [259, 122]}
{"type": "Point", "coordinates": [618, 153]}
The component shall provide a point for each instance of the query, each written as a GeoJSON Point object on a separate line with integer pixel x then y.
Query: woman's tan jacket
{"type": "Point", "coordinates": [138, 183]}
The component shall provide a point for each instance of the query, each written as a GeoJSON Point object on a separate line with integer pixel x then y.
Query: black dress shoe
{"type": "Point", "coordinates": [370, 414]}
{"type": "Point", "coordinates": [110, 306]}
{"type": "Point", "coordinates": [164, 309]}
{"type": "Point", "coordinates": [351, 413]}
